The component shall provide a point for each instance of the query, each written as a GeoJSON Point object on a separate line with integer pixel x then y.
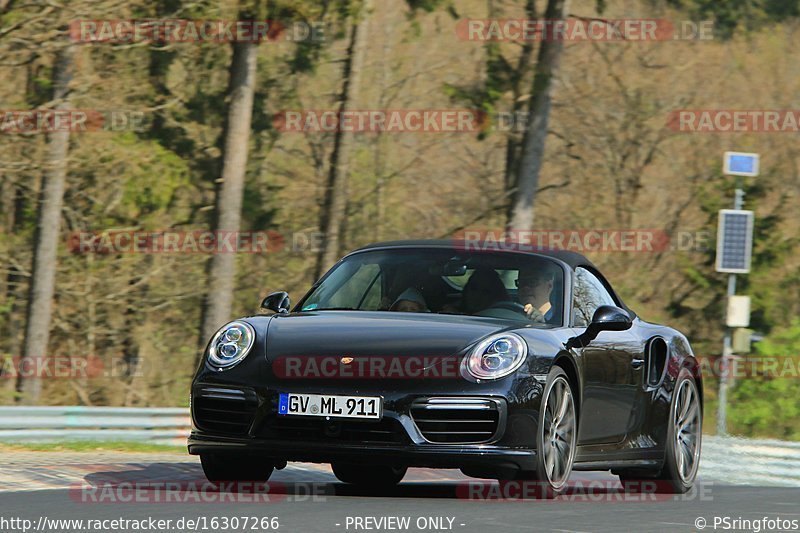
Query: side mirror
{"type": "Point", "coordinates": [609, 318]}
{"type": "Point", "coordinates": [277, 301]}
{"type": "Point", "coordinates": [606, 318]}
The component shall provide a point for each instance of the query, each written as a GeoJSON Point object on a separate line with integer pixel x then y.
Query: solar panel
{"type": "Point", "coordinates": [734, 241]}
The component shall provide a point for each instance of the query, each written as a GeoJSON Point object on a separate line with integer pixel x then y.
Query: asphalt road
{"type": "Point", "coordinates": [307, 498]}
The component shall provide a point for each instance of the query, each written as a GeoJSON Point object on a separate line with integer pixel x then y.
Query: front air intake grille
{"type": "Point", "coordinates": [224, 411]}
{"type": "Point", "coordinates": [385, 431]}
{"type": "Point", "coordinates": [458, 420]}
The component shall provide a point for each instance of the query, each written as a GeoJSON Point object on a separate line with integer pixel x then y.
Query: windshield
{"type": "Point", "coordinates": [500, 285]}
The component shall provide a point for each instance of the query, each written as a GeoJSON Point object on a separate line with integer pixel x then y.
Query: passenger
{"type": "Point", "coordinates": [400, 279]}
{"type": "Point", "coordinates": [535, 287]}
{"type": "Point", "coordinates": [410, 301]}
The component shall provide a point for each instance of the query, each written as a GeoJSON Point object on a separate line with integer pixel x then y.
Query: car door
{"type": "Point", "coordinates": [610, 366]}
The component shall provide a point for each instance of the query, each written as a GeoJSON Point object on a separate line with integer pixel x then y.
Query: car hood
{"type": "Point", "coordinates": [366, 333]}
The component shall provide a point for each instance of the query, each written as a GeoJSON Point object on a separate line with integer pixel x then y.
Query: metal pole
{"type": "Point", "coordinates": [727, 346]}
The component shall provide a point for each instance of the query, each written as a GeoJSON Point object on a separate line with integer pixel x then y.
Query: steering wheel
{"type": "Point", "coordinates": [508, 306]}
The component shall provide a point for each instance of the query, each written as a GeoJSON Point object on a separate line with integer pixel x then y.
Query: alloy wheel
{"type": "Point", "coordinates": [558, 444]}
{"type": "Point", "coordinates": [686, 434]}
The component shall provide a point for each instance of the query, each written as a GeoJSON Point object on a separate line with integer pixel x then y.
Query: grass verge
{"type": "Point", "coordinates": [90, 446]}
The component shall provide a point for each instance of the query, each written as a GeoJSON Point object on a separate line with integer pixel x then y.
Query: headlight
{"type": "Point", "coordinates": [496, 356]}
{"type": "Point", "coordinates": [230, 345]}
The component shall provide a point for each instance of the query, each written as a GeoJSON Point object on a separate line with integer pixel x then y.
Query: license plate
{"type": "Point", "coordinates": [368, 407]}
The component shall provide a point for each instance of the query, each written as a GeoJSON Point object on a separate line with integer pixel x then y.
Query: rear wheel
{"type": "Point", "coordinates": [684, 436]}
{"type": "Point", "coordinates": [368, 475]}
{"type": "Point", "coordinates": [555, 437]}
{"type": "Point", "coordinates": [229, 467]}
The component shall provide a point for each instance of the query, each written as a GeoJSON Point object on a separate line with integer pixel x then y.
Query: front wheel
{"type": "Point", "coordinates": [555, 436]}
{"type": "Point", "coordinates": [229, 467]}
{"type": "Point", "coordinates": [368, 475]}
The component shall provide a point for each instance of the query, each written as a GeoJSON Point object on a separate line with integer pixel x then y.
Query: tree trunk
{"type": "Point", "coordinates": [520, 216]}
{"type": "Point", "coordinates": [222, 268]}
{"type": "Point", "coordinates": [43, 272]}
{"type": "Point", "coordinates": [518, 79]}
{"type": "Point", "coordinates": [335, 203]}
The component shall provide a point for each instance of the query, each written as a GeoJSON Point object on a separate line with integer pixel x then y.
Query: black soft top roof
{"type": "Point", "coordinates": [573, 259]}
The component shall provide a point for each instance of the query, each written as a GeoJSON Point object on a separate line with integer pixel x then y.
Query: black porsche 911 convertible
{"type": "Point", "coordinates": [504, 364]}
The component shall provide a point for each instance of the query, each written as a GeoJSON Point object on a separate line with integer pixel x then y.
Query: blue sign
{"type": "Point", "coordinates": [740, 164]}
{"type": "Point", "coordinates": [283, 404]}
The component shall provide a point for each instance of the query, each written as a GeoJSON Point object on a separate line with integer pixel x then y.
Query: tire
{"type": "Point", "coordinates": [684, 437]}
{"type": "Point", "coordinates": [682, 449]}
{"type": "Point", "coordinates": [368, 475]}
{"type": "Point", "coordinates": [228, 467]}
{"type": "Point", "coordinates": [556, 437]}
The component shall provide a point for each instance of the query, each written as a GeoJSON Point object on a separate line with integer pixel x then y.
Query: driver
{"type": "Point", "coordinates": [535, 286]}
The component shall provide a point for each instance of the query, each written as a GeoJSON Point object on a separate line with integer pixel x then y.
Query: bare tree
{"type": "Point", "coordinates": [335, 202]}
{"type": "Point", "coordinates": [518, 79]}
{"type": "Point", "coordinates": [222, 267]}
{"type": "Point", "coordinates": [520, 215]}
{"type": "Point", "coordinates": [43, 273]}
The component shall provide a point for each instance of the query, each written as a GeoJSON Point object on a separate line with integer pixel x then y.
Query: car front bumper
{"type": "Point", "coordinates": [229, 418]}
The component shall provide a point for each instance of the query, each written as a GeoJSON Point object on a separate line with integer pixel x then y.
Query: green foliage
{"type": "Point", "coordinates": [766, 405]}
{"type": "Point", "coordinates": [732, 15]}
{"type": "Point", "coordinates": [429, 6]}
{"type": "Point", "coordinates": [152, 179]}
{"type": "Point", "coordinates": [501, 78]}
